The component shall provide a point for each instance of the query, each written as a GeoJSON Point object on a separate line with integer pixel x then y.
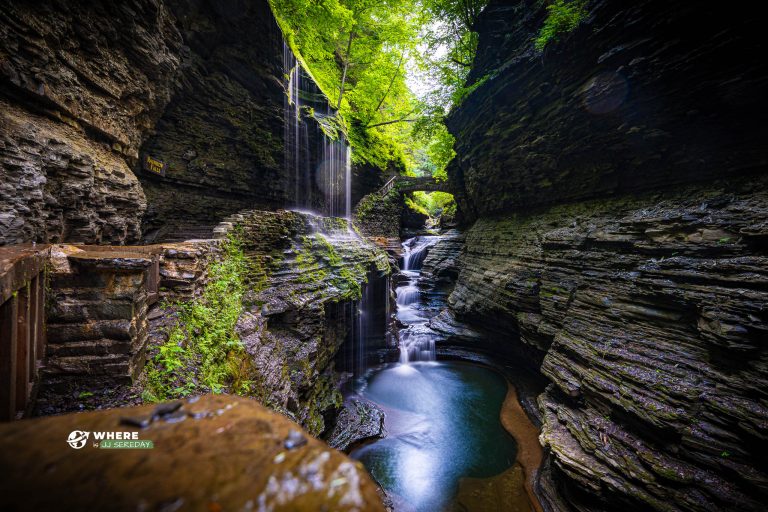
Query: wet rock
{"type": "Point", "coordinates": [294, 440]}
{"type": "Point", "coordinates": [379, 216]}
{"type": "Point", "coordinates": [651, 332]}
{"type": "Point", "coordinates": [297, 321]}
{"type": "Point", "coordinates": [621, 104]}
{"type": "Point", "coordinates": [359, 420]}
{"type": "Point", "coordinates": [411, 220]}
{"type": "Point", "coordinates": [607, 254]}
{"type": "Point", "coordinates": [230, 458]}
{"type": "Point", "coordinates": [442, 259]}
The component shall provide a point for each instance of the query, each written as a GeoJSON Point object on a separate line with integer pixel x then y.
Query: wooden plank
{"type": "Point", "coordinates": [41, 318]}
{"type": "Point", "coordinates": [34, 325]}
{"type": "Point", "coordinates": [17, 266]}
{"type": "Point", "coordinates": [8, 313]}
{"type": "Point", "coordinates": [22, 348]}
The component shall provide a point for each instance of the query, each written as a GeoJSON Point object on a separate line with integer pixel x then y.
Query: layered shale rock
{"type": "Point", "coordinates": [89, 81]}
{"type": "Point", "coordinates": [224, 453]}
{"type": "Point", "coordinates": [669, 93]}
{"type": "Point", "coordinates": [56, 184]}
{"type": "Point", "coordinates": [305, 281]}
{"type": "Point", "coordinates": [442, 261]}
{"type": "Point", "coordinates": [145, 120]}
{"type": "Point", "coordinates": [316, 270]}
{"type": "Point", "coordinates": [221, 137]}
{"type": "Point", "coordinates": [607, 255]}
{"type": "Point", "coordinates": [648, 316]}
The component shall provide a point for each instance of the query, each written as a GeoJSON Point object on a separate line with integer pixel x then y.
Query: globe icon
{"type": "Point", "coordinates": [77, 439]}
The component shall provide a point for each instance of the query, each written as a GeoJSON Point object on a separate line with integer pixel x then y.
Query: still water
{"type": "Point", "coordinates": [442, 420]}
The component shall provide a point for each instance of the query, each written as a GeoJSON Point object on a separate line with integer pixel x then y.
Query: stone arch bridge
{"type": "Point", "coordinates": [404, 184]}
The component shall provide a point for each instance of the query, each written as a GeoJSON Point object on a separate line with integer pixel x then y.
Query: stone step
{"type": "Point", "coordinates": [90, 365]}
{"type": "Point", "coordinates": [100, 347]}
{"type": "Point", "coordinates": [70, 310]}
{"type": "Point", "coordinates": [91, 330]}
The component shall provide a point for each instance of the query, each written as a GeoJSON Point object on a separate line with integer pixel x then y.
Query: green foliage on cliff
{"type": "Point", "coordinates": [322, 266]}
{"type": "Point", "coordinates": [203, 352]}
{"type": "Point", "coordinates": [393, 68]}
{"type": "Point", "coordinates": [357, 51]}
{"type": "Point", "coordinates": [563, 16]}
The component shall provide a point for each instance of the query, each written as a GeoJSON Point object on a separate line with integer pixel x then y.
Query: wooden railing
{"type": "Point", "coordinates": [22, 325]}
{"type": "Point", "coordinates": [388, 186]}
{"type": "Point", "coordinates": [153, 280]}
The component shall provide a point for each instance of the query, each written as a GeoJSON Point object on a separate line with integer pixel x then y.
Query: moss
{"type": "Point", "coordinates": [320, 265]}
{"type": "Point", "coordinates": [367, 205]}
{"type": "Point", "coordinates": [203, 351]}
{"type": "Point", "coordinates": [324, 396]}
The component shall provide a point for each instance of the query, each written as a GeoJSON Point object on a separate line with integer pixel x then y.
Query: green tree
{"type": "Point", "coordinates": [357, 50]}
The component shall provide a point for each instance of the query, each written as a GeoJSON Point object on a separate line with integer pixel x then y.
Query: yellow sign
{"type": "Point", "coordinates": [154, 166]}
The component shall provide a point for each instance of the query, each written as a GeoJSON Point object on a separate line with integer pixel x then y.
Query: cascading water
{"type": "Point", "coordinates": [417, 342]}
{"type": "Point", "coordinates": [317, 156]}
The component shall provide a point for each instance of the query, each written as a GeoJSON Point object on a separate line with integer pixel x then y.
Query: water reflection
{"type": "Point", "coordinates": [443, 424]}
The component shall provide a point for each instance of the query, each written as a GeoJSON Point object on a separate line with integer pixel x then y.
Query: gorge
{"type": "Point", "coordinates": [241, 231]}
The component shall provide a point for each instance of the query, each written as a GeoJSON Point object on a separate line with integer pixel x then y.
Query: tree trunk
{"type": "Point", "coordinates": [346, 66]}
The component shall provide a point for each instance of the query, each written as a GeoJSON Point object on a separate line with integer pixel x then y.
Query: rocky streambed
{"type": "Point", "coordinates": [449, 433]}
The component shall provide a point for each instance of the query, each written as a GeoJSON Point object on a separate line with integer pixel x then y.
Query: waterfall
{"type": "Point", "coordinates": [417, 341]}
{"type": "Point", "coordinates": [318, 165]}
{"type": "Point", "coordinates": [367, 326]}
{"type": "Point", "coordinates": [415, 251]}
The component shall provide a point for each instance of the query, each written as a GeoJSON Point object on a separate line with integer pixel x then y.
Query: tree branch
{"type": "Point", "coordinates": [391, 83]}
{"type": "Point", "coordinates": [391, 122]}
{"type": "Point", "coordinates": [347, 58]}
{"type": "Point", "coordinates": [460, 63]}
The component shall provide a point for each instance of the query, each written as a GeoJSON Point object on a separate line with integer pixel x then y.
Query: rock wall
{"type": "Point", "coordinates": [669, 92]}
{"type": "Point", "coordinates": [80, 84]}
{"type": "Point", "coordinates": [316, 272]}
{"type": "Point", "coordinates": [647, 314]}
{"type": "Point", "coordinates": [221, 136]}
{"type": "Point", "coordinates": [618, 182]}
{"type": "Point", "coordinates": [103, 300]}
{"type": "Point", "coordinates": [148, 120]}
{"type": "Point", "coordinates": [380, 216]}
{"type": "Point", "coordinates": [307, 279]}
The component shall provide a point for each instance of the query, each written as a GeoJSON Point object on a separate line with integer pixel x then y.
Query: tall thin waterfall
{"type": "Point", "coordinates": [416, 341]}
{"type": "Point", "coordinates": [317, 156]}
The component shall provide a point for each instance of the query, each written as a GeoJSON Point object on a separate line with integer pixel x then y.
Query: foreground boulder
{"type": "Point", "coordinates": [216, 453]}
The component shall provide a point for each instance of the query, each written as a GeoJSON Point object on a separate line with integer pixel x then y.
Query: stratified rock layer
{"type": "Point", "coordinates": [637, 97]}
{"type": "Point", "coordinates": [316, 270]}
{"type": "Point", "coordinates": [89, 81]}
{"type": "Point", "coordinates": [216, 453]}
{"type": "Point", "coordinates": [56, 184]}
{"type": "Point", "coordinates": [147, 120]}
{"type": "Point", "coordinates": [221, 136]}
{"type": "Point", "coordinates": [606, 254]}
{"type": "Point", "coordinates": [648, 315]}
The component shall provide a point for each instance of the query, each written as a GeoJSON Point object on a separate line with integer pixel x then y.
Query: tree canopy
{"type": "Point", "coordinates": [392, 68]}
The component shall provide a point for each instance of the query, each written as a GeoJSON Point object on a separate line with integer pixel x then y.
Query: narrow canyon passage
{"type": "Point", "coordinates": [383, 256]}
{"type": "Point", "coordinates": [446, 447]}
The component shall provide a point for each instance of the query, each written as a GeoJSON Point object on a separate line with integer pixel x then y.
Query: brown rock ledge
{"type": "Point", "coordinates": [217, 453]}
{"type": "Point", "coordinates": [512, 490]}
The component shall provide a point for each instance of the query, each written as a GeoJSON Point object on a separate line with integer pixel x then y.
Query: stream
{"type": "Point", "coordinates": [446, 447]}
